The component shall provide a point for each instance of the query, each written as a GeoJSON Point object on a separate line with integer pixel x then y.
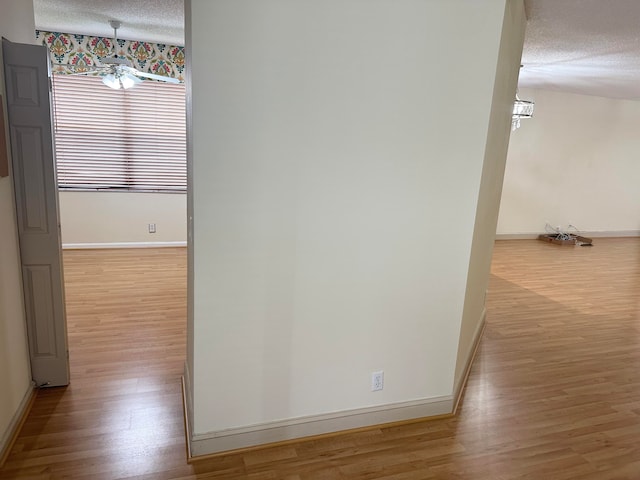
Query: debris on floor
{"type": "Point", "coordinates": [566, 239]}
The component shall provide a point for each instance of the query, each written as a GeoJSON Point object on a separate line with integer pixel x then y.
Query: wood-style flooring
{"type": "Point", "coordinates": [554, 392]}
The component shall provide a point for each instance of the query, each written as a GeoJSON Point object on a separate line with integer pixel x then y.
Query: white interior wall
{"type": "Point", "coordinates": [121, 218]}
{"type": "Point", "coordinates": [491, 186]}
{"type": "Point", "coordinates": [17, 25]}
{"type": "Point", "coordinates": [333, 202]}
{"type": "Point", "coordinates": [575, 162]}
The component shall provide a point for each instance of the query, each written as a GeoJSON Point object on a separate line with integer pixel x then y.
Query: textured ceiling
{"type": "Point", "coordinates": [160, 21]}
{"type": "Point", "coordinates": [582, 46]}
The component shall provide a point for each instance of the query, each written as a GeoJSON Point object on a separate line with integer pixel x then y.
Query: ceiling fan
{"type": "Point", "coordinates": [117, 71]}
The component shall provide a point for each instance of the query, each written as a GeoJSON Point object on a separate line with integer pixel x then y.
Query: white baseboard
{"type": "Point", "coordinates": [11, 433]}
{"type": "Point", "coordinates": [516, 236]}
{"type": "Point", "coordinates": [460, 383]}
{"type": "Point", "coordinates": [596, 234]}
{"type": "Point", "coordinates": [297, 428]}
{"type": "Point", "coordinates": [187, 405]}
{"type": "Point", "coordinates": [79, 246]}
{"type": "Point", "coordinates": [611, 234]}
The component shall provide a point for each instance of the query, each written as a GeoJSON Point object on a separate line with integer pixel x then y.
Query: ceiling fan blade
{"type": "Point", "coordinates": [153, 76]}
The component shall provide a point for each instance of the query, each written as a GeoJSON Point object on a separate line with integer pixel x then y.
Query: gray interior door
{"type": "Point", "coordinates": [26, 69]}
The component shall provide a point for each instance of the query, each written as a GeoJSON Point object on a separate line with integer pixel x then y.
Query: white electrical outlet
{"type": "Point", "coordinates": [377, 381]}
{"type": "Point", "coordinates": [152, 228]}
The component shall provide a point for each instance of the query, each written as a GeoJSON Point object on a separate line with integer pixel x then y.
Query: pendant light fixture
{"type": "Point", "coordinates": [521, 109]}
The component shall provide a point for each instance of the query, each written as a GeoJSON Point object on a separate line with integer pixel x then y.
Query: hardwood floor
{"type": "Point", "coordinates": [554, 391]}
{"type": "Point", "coordinates": [121, 415]}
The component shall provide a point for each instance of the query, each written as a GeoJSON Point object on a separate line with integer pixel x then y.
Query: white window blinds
{"type": "Point", "coordinates": [110, 139]}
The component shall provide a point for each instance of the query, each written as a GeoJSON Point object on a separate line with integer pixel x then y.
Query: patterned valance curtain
{"type": "Point", "coordinates": [72, 53]}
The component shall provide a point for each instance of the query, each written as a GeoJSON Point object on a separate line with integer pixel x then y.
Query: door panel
{"type": "Point", "coordinates": [31, 176]}
{"type": "Point", "coordinates": [39, 305]}
{"type": "Point", "coordinates": [26, 70]}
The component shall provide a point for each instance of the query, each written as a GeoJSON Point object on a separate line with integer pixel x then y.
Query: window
{"type": "Point", "coordinates": [120, 140]}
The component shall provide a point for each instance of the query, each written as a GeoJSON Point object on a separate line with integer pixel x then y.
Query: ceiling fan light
{"type": "Point", "coordinates": [128, 81]}
{"type": "Point", "coordinates": [111, 81]}
{"type": "Point", "coordinates": [135, 79]}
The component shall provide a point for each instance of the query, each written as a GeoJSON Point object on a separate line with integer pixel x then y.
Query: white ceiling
{"type": "Point", "coordinates": [160, 21]}
{"type": "Point", "coordinates": [582, 46]}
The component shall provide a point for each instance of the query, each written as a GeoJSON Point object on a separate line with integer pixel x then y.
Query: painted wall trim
{"type": "Point", "coordinates": [13, 430]}
{"type": "Point", "coordinates": [596, 234]}
{"type": "Point", "coordinates": [458, 388]}
{"type": "Point", "coordinates": [186, 396]}
{"type": "Point", "coordinates": [80, 246]}
{"type": "Point", "coordinates": [187, 400]}
{"type": "Point", "coordinates": [297, 428]}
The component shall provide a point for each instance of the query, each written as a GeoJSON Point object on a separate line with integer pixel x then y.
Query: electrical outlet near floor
{"type": "Point", "coordinates": [152, 228]}
{"type": "Point", "coordinates": [377, 381]}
